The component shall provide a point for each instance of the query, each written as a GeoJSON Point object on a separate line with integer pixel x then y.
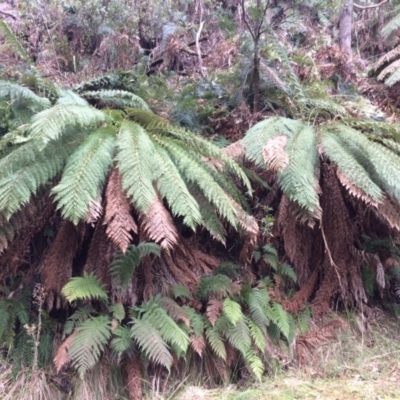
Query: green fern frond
{"type": "Point", "coordinates": [13, 43]}
{"type": "Point", "coordinates": [122, 340]}
{"type": "Point", "coordinates": [196, 321]}
{"type": "Point", "coordinates": [50, 124]}
{"type": "Point", "coordinates": [119, 98]}
{"type": "Point", "coordinates": [303, 319]}
{"type": "Point", "coordinates": [84, 175]}
{"type": "Point", "coordinates": [383, 165]}
{"type": "Point", "coordinates": [135, 154]}
{"type": "Point", "coordinates": [13, 92]}
{"type": "Point", "coordinates": [257, 300]}
{"type": "Point", "coordinates": [209, 218]}
{"type": "Point", "coordinates": [261, 133]}
{"type": "Point", "coordinates": [173, 309]}
{"type": "Point", "coordinates": [288, 271]}
{"type": "Point", "coordinates": [118, 311]}
{"type": "Point", "coordinates": [213, 285]}
{"type": "Point", "coordinates": [257, 335]}
{"type": "Point", "coordinates": [180, 291]}
{"type": "Point", "coordinates": [391, 26]}
{"type": "Point", "coordinates": [151, 343]}
{"type": "Point", "coordinates": [194, 172]}
{"type": "Point", "coordinates": [232, 311]}
{"type": "Point", "coordinates": [238, 335]}
{"type": "Point", "coordinates": [89, 342]}
{"type": "Point", "coordinates": [26, 169]}
{"type": "Point", "coordinates": [283, 320]}
{"type": "Point", "coordinates": [76, 319]}
{"type": "Point", "coordinates": [297, 180]}
{"type": "Point", "coordinates": [173, 188]}
{"type": "Point", "coordinates": [394, 77]}
{"type": "Point", "coordinates": [87, 287]}
{"type": "Point", "coordinates": [227, 268]}
{"type": "Point", "coordinates": [124, 265]}
{"type": "Point", "coordinates": [270, 256]}
{"type": "Point", "coordinates": [169, 330]}
{"type": "Point", "coordinates": [338, 153]}
{"type": "Point", "coordinates": [68, 98]}
{"type": "Point", "coordinates": [254, 363]}
{"type": "Point", "coordinates": [215, 340]}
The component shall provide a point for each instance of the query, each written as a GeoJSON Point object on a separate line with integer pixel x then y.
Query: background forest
{"type": "Point", "coordinates": [192, 191]}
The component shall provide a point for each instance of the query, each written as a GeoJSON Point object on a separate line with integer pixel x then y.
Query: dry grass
{"type": "Point", "coordinates": [364, 363]}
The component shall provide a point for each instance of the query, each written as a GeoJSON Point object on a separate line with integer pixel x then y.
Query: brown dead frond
{"type": "Point", "coordinates": [118, 217]}
{"type": "Point", "coordinates": [159, 227]}
{"type": "Point", "coordinates": [236, 150]}
{"type": "Point", "coordinates": [274, 154]}
{"type": "Point", "coordinates": [214, 309]}
{"type": "Point", "coordinates": [198, 344]}
{"type": "Point", "coordinates": [57, 266]}
{"type": "Point", "coordinates": [390, 211]}
{"type": "Point", "coordinates": [61, 358]}
{"type": "Point", "coordinates": [308, 343]}
{"type": "Point", "coordinates": [95, 211]}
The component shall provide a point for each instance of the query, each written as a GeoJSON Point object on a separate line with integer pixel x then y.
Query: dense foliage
{"type": "Point", "coordinates": [188, 189]}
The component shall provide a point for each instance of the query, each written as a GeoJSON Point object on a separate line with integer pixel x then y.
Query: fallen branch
{"type": "Point", "coordinates": [370, 6]}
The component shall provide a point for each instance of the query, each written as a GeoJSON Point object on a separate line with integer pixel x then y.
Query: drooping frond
{"type": "Point", "coordinates": [119, 98]}
{"type": "Point", "coordinates": [170, 331]}
{"type": "Point", "coordinates": [216, 341]}
{"type": "Point", "coordinates": [232, 311]}
{"type": "Point", "coordinates": [26, 169]}
{"type": "Point", "coordinates": [386, 58]}
{"type": "Point", "coordinates": [13, 91]}
{"type": "Point", "coordinates": [282, 319]}
{"type": "Point", "coordinates": [68, 98]}
{"type": "Point", "coordinates": [89, 342]}
{"type": "Point", "coordinates": [391, 26]}
{"type": "Point", "coordinates": [151, 343]}
{"type": "Point", "coordinates": [194, 142]}
{"type": "Point", "coordinates": [194, 172]}
{"type": "Point", "coordinates": [122, 340]}
{"type": "Point", "coordinates": [382, 164]}
{"type": "Point", "coordinates": [50, 124]}
{"type": "Point", "coordinates": [84, 174]}
{"type": "Point", "coordinates": [173, 188]}
{"type": "Point", "coordinates": [158, 225]}
{"type": "Point", "coordinates": [87, 287]}
{"type": "Point", "coordinates": [125, 264]}
{"type": "Point", "coordinates": [135, 154]}
{"type": "Point", "coordinates": [257, 301]}
{"type": "Point", "coordinates": [61, 358]}
{"type": "Point", "coordinates": [349, 167]}
{"type": "Point", "coordinates": [118, 217]}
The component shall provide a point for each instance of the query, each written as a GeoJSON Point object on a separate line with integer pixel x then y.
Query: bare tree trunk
{"type": "Point", "coordinates": [345, 29]}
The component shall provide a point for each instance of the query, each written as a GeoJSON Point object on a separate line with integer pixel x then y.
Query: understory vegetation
{"type": "Point", "coordinates": [196, 195]}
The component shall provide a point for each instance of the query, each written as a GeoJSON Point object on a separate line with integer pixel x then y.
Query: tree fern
{"type": "Point", "coordinates": [87, 287]}
{"type": "Point", "coordinates": [84, 175]}
{"type": "Point", "coordinates": [89, 342]}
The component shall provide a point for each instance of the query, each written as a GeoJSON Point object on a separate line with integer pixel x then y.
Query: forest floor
{"type": "Point", "coordinates": [362, 363]}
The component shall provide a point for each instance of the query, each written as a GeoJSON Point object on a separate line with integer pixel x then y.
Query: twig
{"type": "Point", "coordinates": [203, 75]}
{"type": "Point", "coordinates": [8, 15]}
{"type": "Point", "coordinates": [370, 6]}
{"type": "Point", "coordinates": [330, 254]}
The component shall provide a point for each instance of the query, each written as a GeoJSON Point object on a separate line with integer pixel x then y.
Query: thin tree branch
{"type": "Point", "coordinates": [8, 15]}
{"type": "Point", "coordinates": [370, 6]}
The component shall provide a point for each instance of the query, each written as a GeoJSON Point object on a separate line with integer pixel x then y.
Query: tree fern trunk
{"type": "Point", "coordinates": [345, 29]}
{"type": "Point", "coordinates": [256, 78]}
